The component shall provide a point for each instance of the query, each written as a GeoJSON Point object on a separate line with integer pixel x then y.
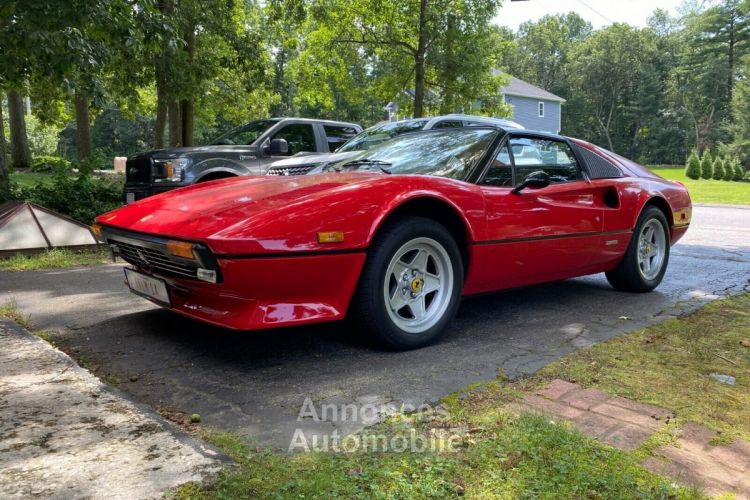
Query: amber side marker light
{"type": "Point", "coordinates": [96, 228]}
{"type": "Point", "coordinates": [180, 249]}
{"type": "Point", "coordinates": [331, 237]}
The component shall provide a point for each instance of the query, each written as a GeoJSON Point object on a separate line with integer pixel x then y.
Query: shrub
{"type": "Point", "coordinates": [693, 168]}
{"type": "Point", "coordinates": [50, 164]}
{"type": "Point", "coordinates": [82, 197]}
{"type": "Point", "coordinates": [730, 168]}
{"type": "Point", "coordinates": [707, 166]}
{"type": "Point", "coordinates": [718, 169]}
{"type": "Point", "coordinates": [740, 174]}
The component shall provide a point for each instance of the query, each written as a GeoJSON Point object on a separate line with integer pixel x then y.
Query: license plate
{"type": "Point", "coordinates": [151, 288]}
{"type": "Point", "coordinates": [129, 197]}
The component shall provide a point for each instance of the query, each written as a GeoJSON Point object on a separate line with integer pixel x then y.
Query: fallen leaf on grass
{"type": "Point", "coordinates": [745, 342]}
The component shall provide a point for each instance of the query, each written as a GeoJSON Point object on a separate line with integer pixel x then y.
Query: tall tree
{"type": "Point", "coordinates": [410, 38]}
{"type": "Point", "coordinates": [20, 152]}
{"type": "Point", "coordinates": [4, 174]}
{"type": "Point", "coordinates": [66, 45]}
{"type": "Point", "coordinates": [213, 57]}
{"type": "Point", "coordinates": [606, 68]}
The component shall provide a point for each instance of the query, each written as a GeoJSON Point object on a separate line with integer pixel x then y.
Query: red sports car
{"type": "Point", "coordinates": [399, 233]}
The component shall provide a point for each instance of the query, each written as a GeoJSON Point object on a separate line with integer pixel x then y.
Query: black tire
{"type": "Point", "coordinates": [369, 303]}
{"type": "Point", "coordinates": [628, 276]}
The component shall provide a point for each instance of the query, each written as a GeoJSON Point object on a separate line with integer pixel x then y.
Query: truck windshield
{"type": "Point", "coordinates": [244, 134]}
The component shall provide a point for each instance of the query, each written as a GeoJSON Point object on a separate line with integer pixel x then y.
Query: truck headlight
{"type": "Point", "coordinates": [171, 170]}
{"type": "Point", "coordinates": [178, 168]}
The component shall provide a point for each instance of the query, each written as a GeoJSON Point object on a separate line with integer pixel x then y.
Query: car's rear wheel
{"type": "Point", "coordinates": [645, 261]}
{"type": "Point", "coordinates": [411, 283]}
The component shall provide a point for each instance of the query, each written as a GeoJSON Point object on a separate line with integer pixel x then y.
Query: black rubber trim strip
{"type": "Point", "coordinates": [278, 255]}
{"type": "Point", "coordinates": [553, 237]}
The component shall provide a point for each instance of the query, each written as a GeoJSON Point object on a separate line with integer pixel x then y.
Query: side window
{"type": "Point", "coordinates": [448, 124]}
{"type": "Point", "coordinates": [500, 173]}
{"type": "Point", "coordinates": [554, 157]}
{"type": "Point", "coordinates": [300, 137]}
{"type": "Point", "coordinates": [541, 109]}
{"type": "Point", "coordinates": [338, 135]}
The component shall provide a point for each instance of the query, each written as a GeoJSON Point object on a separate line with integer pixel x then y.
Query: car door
{"type": "Point", "coordinates": [299, 136]}
{"type": "Point", "coordinates": [543, 234]}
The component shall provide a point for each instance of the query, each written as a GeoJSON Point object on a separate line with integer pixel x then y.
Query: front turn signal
{"type": "Point", "coordinates": [180, 249]}
{"type": "Point", "coordinates": [96, 228]}
{"type": "Point", "coordinates": [331, 237]}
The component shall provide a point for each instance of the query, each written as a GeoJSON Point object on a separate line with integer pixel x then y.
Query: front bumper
{"type": "Point", "coordinates": [260, 293]}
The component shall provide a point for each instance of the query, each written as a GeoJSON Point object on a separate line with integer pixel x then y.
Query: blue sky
{"type": "Point", "coordinates": [598, 12]}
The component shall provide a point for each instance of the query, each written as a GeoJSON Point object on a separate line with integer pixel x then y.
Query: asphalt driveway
{"type": "Point", "coordinates": [256, 383]}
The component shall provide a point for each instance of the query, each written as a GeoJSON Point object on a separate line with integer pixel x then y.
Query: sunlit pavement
{"type": "Point", "coordinates": [256, 383]}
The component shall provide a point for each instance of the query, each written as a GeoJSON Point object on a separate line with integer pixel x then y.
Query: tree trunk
{"type": "Point", "coordinates": [186, 113]}
{"type": "Point", "coordinates": [163, 99]}
{"type": "Point", "coordinates": [4, 175]}
{"type": "Point", "coordinates": [20, 152]}
{"type": "Point", "coordinates": [186, 105]}
{"type": "Point", "coordinates": [730, 84]}
{"type": "Point", "coordinates": [419, 61]}
{"type": "Point", "coordinates": [175, 123]}
{"type": "Point", "coordinates": [83, 126]}
{"type": "Point", "coordinates": [161, 109]}
{"type": "Point", "coordinates": [3, 148]}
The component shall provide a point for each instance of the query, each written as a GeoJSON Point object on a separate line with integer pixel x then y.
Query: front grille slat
{"type": "Point", "coordinates": [138, 170]}
{"type": "Point", "coordinates": [290, 170]}
{"type": "Point", "coordinates": [154, 260]}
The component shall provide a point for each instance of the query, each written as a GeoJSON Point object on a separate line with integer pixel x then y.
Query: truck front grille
{"type": "Point", "coordinates": [290, 170]}
{"type": "Point", "coordinates": [138, 170]}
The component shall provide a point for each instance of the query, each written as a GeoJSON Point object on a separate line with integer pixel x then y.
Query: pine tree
{"type": "Point", "coordinates": [718, 169]}
{"type": "Point", "coordinates": [729, 167]}
{"type": "Point", "coordinates": [693, 168]}
{"type": "Point", "coordinates": [739, 170]}
{"type": "Point", "coordinates": [707, 166]}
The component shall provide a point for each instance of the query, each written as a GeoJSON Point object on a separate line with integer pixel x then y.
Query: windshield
{"type": "Point", "coordinates": [381, 133]}
{"type": "Point", "coordinates": [448, 153]}
{"type": "Point", "coordinates": [244, 134]}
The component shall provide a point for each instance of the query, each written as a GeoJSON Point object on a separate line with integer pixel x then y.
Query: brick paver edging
{"type": "Point", "coordinates": [626, 424]}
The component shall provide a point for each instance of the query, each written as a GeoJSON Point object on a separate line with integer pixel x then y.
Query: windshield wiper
{"type": "Point", "coordinates": [366, 162]}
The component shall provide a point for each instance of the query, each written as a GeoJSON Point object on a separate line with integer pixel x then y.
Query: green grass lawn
{"type": "Point", "coordinates": [709, 191]}
{"type": "Point", "coordinates": [30, 179]}
{"type": "Point", "coordinates": [54, 259]}
{"type": "Point", "coordinates": [506, 456]}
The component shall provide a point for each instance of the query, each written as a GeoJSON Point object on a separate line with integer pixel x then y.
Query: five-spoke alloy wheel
{"type": "Point", "coordinates": [411, 283]}
{"type": "Point", "coordinates": [645, 261]}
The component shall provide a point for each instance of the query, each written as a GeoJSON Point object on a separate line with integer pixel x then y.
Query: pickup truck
{"type": "Point", "coordinates": [246, 150]}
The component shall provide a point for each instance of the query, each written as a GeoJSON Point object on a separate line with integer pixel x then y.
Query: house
{"type": "Point", "coordinates": [533, 107]}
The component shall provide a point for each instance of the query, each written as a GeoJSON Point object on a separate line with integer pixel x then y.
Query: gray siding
{"type": "Point", "coordinates": [526, 112]}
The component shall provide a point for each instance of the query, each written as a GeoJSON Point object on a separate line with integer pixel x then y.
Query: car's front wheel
{"type": "Point", "coordinates": [411, 283]}
{"type": "Point", "coordinates": [645, 261]}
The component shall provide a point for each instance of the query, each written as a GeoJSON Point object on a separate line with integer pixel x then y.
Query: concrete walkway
{"type": "Point", "coordinates": [64, 434]}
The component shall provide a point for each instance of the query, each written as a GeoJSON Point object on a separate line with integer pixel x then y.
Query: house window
{"type": "Point", "coordinates": [541, 109]}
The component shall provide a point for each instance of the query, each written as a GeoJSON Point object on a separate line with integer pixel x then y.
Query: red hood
{"type": "Point", "coordinates": [199, 211]}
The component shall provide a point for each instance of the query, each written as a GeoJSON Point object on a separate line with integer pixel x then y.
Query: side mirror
{"type": "Point", "coordinates": [535, 180]}
{"type": "Point", "coordinates": [279, 147]}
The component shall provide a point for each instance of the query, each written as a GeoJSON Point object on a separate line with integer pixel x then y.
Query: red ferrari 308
{"type": "Point", "coordinates": [398, 234]}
